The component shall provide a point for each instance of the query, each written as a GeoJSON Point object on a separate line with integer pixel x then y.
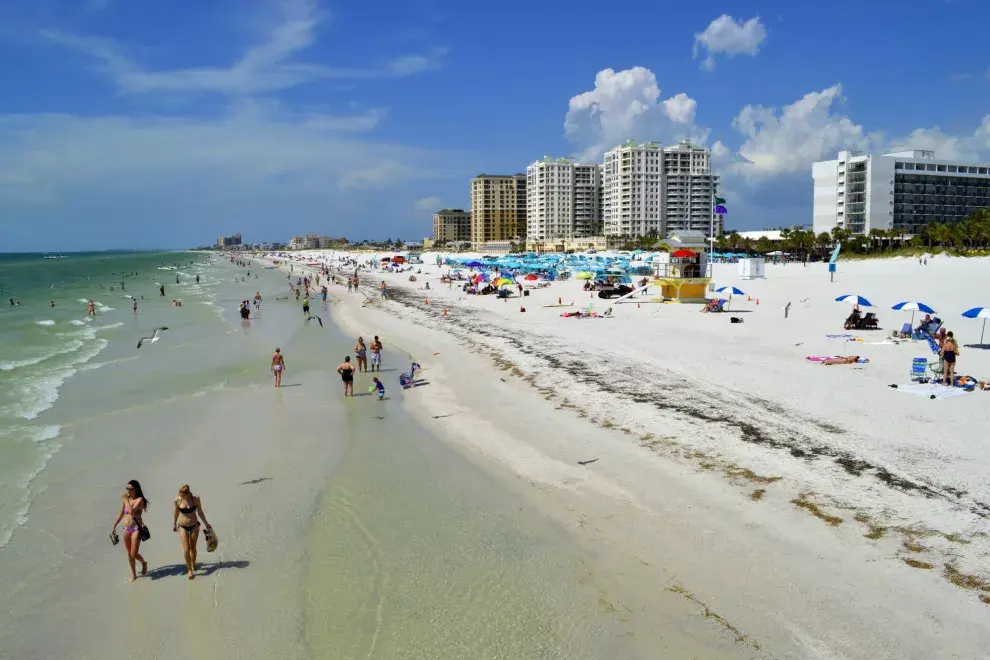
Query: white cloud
{"type": "Point", "coordinates": [778, 142]}
{"type": "Point", "coordinates": [266, 67]}
{"type": "Point", "coordinates": [728, 36]}
{"type": "Point", "coordinates": [626, 105]}
{"type": "Point", "coordinates": [427, 204]}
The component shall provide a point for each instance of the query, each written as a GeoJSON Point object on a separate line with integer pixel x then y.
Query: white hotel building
{"type": "Point", "coordinates": [632, 190]}
{"type": "Point", "coordinates": [563, 200]}
{"type": "Point", "coordinates": [905, 189]}
{"type": "Point", "coordinates": [651, 189]}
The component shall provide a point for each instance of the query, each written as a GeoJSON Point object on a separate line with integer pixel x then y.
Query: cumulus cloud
{"type": "Point", "coordinates": [730, 37]}
{"type": "Point", "coordinates": [790, 139]}
{"type": "Point", "coordinates": [266, 67]}
{"type": "Point", "coordinates": [427, 204]}
{"type": "Point", "coordinates": [626, 105]}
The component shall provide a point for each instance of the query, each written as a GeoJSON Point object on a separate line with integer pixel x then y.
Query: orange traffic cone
{"type": "Point", "coordinates": [427, 301]}
{"type": "Point", "coordinates": [637, 306]}
{"type": "Point", "coordinates": [757, 301]}
{"type": "Point", "coordinates": [559, 301]}
{"type": "Point", "coordinates": [445, 312]}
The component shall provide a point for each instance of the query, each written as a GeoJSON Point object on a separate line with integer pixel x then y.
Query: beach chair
{"type": "Point", "coordinates": [870, 321]}
{"type": "Point", "coordinates": [919, 369]}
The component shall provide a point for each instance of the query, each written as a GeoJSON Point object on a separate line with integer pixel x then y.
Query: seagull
{"type": "Point", "coordinates": [153, 338]}
{"type": "Point", "coordinates": [310, 318]}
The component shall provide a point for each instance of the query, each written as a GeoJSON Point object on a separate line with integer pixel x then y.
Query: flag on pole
{"type": "Point", "coordinates": [719, 200]}
{"type": "Point", "coordinates": [720, 209]}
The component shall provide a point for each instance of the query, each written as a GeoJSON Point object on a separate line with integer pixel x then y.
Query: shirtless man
{"type": "Point", "coordinates": [278, 366]}
{"type": "Point", "coordinates": [376, 354]}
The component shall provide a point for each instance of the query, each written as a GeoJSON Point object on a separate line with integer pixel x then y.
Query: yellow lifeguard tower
{"type": "Point", "coordinates": [683, 272]}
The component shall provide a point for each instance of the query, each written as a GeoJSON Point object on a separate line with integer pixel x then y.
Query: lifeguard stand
{"type": "Point", "coordinates": [683, 275]}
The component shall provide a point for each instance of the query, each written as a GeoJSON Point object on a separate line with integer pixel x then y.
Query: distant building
{"type": "Point", "coordinates": [689, 189]}
{"type": "Point", "coordinates": [228, 241]}
{"type": "Point", "coordinates": [632, 183]}
{"type": "Point", "coordinates": [451, 225]}
{"type": "Point", "coordinates": [498, 208]}
{"type": "Point", "coordinates": [563, 200]}
{"type": "Point", "coordinates": [315, 241]}
{"type": "Point", "coordinates": [906, 189]}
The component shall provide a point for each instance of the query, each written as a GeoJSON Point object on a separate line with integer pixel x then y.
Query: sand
{"type": "Point", "coordinates": [809, 511]}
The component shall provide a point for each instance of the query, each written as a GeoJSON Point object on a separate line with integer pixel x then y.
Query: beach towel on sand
{"type": "Point", "coordinates": [931, 390]}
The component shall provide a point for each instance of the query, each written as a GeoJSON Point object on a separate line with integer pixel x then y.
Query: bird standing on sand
{"type": "Point", "coordinates": [310, 318]}
{"type": "Point", "coordinates": [153, 338]}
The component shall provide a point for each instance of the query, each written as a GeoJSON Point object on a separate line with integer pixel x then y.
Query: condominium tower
{"type": "Point", "coordinates": [632, 190]}
{"type": "Point", "coordinates": [906, 189]}
{"type": "Point", "coordinates": [498, 207]}
{"type": "Point", "coordinates": [689, 189]}
{"type": "Point", "coordinates": [451, 226]}
{"type": "Point", "coordinates": [563, 200]}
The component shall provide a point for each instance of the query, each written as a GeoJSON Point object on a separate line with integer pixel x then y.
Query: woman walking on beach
{"type": "Point", "coordinates": [950, 349]}
{"type": "Point", "coordinates": [278, 366]}
{"type": "Point", "coordinates": [132, 506]}
{"type": "Point", "coordinates": [186, 524]}
{"type": "Point", "coordinates": [376, 354]}
{"type": "Point", "coordinates": [346, 371]}
{"type": "Point", "coordinates": [361, 354]}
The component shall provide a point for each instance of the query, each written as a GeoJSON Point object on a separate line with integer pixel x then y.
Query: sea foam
{"type": "Point", "coordinates": [45, 322]}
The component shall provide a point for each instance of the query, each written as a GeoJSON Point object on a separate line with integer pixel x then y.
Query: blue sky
{"type": "Point", "coordinates": [132, 123]}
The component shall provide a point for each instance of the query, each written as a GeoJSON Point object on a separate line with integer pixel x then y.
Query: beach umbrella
{"type": "Point", "coordinates": [979, 313]}
{"type": "Point", "coordinates": [531, 277]}
{"type": "Point", "coordinates": [731, 290]}
{"type": "Point", "coordinates": [854, 299]}
{"type": "Point", "coordinates": [912, 307]}
{"type": "Point", "coordinates": [583, 276]}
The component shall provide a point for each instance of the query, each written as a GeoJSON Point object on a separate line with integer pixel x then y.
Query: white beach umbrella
{"type": "Point", "coordinates": [979, 313]}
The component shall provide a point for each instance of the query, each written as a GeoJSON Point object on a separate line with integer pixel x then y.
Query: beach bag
{"type": "Point", "coordinates": [211, 539]}
{"type": "Point", "coordinates": [145, 532]}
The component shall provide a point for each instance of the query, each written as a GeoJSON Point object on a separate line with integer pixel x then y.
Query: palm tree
{"type": "Point", "coordinates": [824, 240]}
{"type": "Point", "coordinates": [764, 245]}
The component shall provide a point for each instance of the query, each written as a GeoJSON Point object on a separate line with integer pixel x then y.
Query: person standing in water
{"type": "Point", "coordinates": [91, 308]}
{"type": "Point", "coordinates": [133, 504]}
{"type": "Point", "coordinates": [346, 371]}
{"type": "Point", "coordinates": [306, 306]}
{"type": "Point", "coordinates": [361, 353]}
{"type": "Point", "coordinates": [134, 305]}
{"type": "Point", "coordinates": [188, 508]}
{"type": "Point", "coordinates": [278, 366]}
{"type": "Point", "coordinates": [197, 279]}
{"type": "Point", "coordinates": [376, 354]}
{"type": "Point", "coordinates": [161, 290]}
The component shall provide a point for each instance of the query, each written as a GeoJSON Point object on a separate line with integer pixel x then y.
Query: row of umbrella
{"type": "Point", "coordinates": [915, 306]}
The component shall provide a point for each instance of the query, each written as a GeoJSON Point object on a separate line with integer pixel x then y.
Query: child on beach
{"type": "Point", "coordinates": [380, 387]}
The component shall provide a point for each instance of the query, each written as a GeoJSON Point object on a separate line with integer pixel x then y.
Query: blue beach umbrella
{"type": "Point", "coordinates": [979, 313]}
{"type": "Point", "coordinates": [912, 307]}
{"type": "Point", "coordinates": [854, 299]}
{"type": "Point", "coordinates": [731, 290]}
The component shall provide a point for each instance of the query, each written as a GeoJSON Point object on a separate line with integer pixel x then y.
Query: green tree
{"type": "Point", "coordinates": [764, 245]}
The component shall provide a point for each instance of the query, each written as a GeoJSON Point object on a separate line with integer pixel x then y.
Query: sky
{"type": "Point", "coordinates": [145, 124]}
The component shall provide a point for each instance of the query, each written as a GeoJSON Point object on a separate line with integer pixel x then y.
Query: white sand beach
{"type": "Point", "coordinates": [799, 510]}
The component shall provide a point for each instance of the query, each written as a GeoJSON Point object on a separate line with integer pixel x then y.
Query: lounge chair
{"type": "Point", "coordinates": [870, 322]}
{"type": "Point", "coordinates": [919, 369]}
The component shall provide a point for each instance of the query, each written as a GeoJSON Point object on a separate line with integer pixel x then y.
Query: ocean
{"type": "Point", "coordinates": [46, 338]}
{"type": "Point", "coordinates": [347, 530]}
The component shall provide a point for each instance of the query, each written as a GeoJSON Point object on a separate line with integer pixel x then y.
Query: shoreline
{"type": "Point", "coordinates": [768, 524]}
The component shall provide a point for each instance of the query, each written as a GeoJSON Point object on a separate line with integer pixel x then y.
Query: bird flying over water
{"type": "Point", "coordinates": [153, 338]}
{"type": "Point", "coordinates": [310, 318]}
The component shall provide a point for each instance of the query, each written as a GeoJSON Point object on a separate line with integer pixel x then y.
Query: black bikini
{"type": "Point", "coordinates": [190, 511]}
{"type": "Point", "coordinates": [347, 375]}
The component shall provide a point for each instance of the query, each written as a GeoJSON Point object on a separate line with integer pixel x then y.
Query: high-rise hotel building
{"type": "Point", "coordinates": [563, 200]}
{"type": "Point", "coordinates": [498, 207]}
{"type": "Point", "coordinates": [906, 189]}
{"type": "Point", "coordinates": [632, 190]}
{"type": "Point", "coordinates": [689, 189]}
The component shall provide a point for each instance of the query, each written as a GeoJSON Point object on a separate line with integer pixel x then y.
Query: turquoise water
{"type": "Point", "coordinates": [42, 346]}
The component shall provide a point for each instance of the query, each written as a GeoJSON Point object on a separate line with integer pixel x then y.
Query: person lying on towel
{"type": "Point", "coordinates": [848, 359]}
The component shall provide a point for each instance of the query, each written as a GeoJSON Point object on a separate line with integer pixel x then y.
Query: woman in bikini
{"type": "Point", "coordinates": [278, 366]}
{"type": "Point", "coordinates": [346, 371]}
{"type": "Point", "coordinates": [361, 354]}
{"type": "Point", "coordinates": [132, 505]}
{"type": "Point", "coordinates": [185, 522]}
